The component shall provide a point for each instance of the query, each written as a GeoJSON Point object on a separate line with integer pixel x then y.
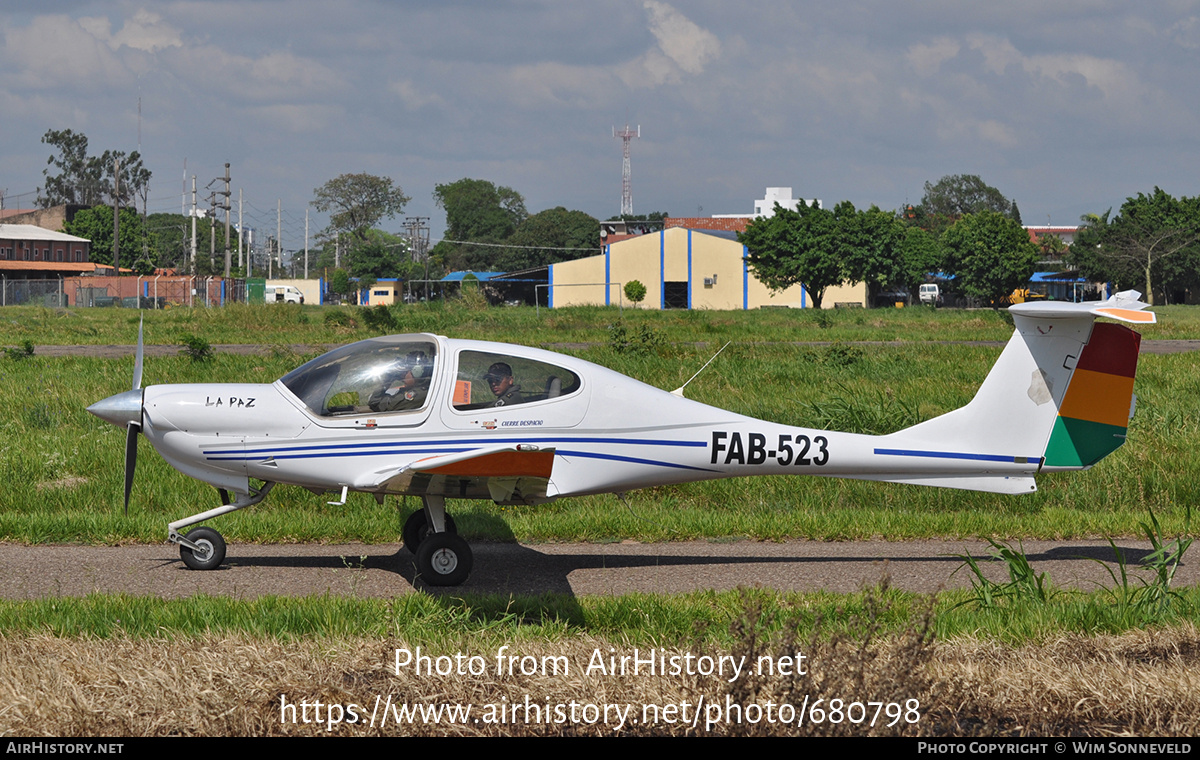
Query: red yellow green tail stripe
{"type": "Point", "coordinates": [1094, 413]}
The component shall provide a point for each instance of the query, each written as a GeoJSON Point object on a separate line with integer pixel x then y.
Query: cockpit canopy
{"type": "Point", "coordinates": [379, 375]}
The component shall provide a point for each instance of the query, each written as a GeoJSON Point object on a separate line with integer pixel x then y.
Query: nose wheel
{"type": "Point", "coordinates": [204, 550]}
{"type": "Point", "coordinates": [444, 559]}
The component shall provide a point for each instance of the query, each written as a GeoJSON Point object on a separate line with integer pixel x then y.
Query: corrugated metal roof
{"type": "Point", "coordinates": [33, 232]}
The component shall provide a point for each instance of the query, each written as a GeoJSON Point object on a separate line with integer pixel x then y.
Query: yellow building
{"type": "Point", "coordinates": [681, 269]}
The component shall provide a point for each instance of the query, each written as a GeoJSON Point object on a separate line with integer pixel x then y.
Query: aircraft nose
{"type": "Point", "coordinates": [120, 409]}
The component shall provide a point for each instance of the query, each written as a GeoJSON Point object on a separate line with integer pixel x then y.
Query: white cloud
{"type": "Point", "coordinates": [412, 96]}
{"type": "Point", "coordinates": [927, 59]}
{"type": "Point", "coordinates": [689, 46]}
{"type": "Point", "coordinates": [145, 31]}
{"type": "Point", "coordinates": [57, 51]}
{"type": "Point", "coordinates": [1111, 77]}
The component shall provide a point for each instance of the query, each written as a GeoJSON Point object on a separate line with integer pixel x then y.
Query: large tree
{"type": "Point", "coordinates": [96, 224]}
{"type": "Point", "coordinates": [86, 180]}
{"type": "Point", "coordinates": [548, 237]}
{"type": "Point", "coordinates": [477, 211]}
{"type": "Point", "coordinates": [795, 247]}
{"type": "Point", "coordinates": [953, 197]}
{"type": "Point", "coordinates": [989, 254]}
{"type": "Point", "coordinates": [870, 246]}
{"type": "Point", "coordinates": [1152, 243]}
{"type": "Point", "coordinates": [358, 202]}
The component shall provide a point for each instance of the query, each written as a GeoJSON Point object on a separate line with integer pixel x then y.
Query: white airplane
{"type": "Point", "coordinates": [438, 418]}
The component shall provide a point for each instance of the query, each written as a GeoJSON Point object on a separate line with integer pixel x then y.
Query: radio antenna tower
{"type": "Point", "coordinates": [626, 135]}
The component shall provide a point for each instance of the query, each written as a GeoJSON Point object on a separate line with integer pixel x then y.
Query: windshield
{"type": "Point", "coordinates": [377, 376]}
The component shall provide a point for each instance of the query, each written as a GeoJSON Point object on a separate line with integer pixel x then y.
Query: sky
{"type": "Point", "coordinates": [1067, 107]}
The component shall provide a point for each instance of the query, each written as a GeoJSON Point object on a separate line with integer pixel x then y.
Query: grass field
{"type": "Point", "coordinates": [71, 462]}
{"type": "Point", "coordinates": [290, 324]}
{"type": "Point", "coordinates": [1084, 664]}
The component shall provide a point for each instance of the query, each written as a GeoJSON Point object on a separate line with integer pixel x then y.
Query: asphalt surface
{"type": "Point", "coordinates": [384, 571]}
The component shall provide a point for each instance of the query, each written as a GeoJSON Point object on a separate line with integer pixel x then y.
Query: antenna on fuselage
{"type": "Point", "coordinates": [679, 391]}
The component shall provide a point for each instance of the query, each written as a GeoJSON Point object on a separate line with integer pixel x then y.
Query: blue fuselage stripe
{"type": "Point", "coordinates": [401, 446]}
{"type": "Point", "coordinates": [958, 455]}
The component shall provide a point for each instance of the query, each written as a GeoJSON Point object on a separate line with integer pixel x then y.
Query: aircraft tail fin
{"type": "Point", "coordinates": [1060, 397]}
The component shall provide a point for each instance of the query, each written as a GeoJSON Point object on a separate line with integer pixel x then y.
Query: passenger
{"type": "Point", "coordinates": [405, 386]}
{"type": "Point", "coordinates": [500, 379]}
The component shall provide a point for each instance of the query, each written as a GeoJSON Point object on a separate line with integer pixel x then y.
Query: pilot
{"type": "Point", "coordinates": [405, 385]}
{"type": "Point", "coordinates": [500, 379]}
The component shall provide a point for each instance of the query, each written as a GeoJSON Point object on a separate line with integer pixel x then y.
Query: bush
{"type": "Point", "coordinates": [195, 348]}
{"type": "Point", "coordinates": [24, 351]}
{"type": "Point", "coordinates": [645, 340]}
{"type": "Point", "coordinates": [379, 318]}
{"type": "Point", "coordinates": [635, 291]}
{"type": "Point", "coordinates": [342, 319]}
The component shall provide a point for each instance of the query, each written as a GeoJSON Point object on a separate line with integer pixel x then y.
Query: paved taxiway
{"type": "Point", "coordinates": [252, 570]}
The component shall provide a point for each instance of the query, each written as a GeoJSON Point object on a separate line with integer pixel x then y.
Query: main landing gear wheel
{"type": "Point", "coordinates": [416, 529]}
{"type": "Point", "coordinates": [211, 553]}
{"type": "Point", "coordinates": [444, 559]}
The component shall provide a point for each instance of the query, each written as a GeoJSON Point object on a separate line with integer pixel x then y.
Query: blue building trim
{"type": "Point", "coordinates": [803, 297]}
{"type": "Point", "coordinates": [224, 285]}
{"type": "Point", "coordinates": [608, 275]}
{"type": "Point", "coordinates": [662, 269]}
{"type": "Point", "coordinates": [689, 269]}
{"type": "Point", "coordinates": [549, 290]}
{"type": "Point", "coordinates": [321, 291]}
{"type": "Point", "coordinates": [745, 279]}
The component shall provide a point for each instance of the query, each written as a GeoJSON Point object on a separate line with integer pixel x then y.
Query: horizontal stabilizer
{"type": "Point", "coordinates": [1123, 306]}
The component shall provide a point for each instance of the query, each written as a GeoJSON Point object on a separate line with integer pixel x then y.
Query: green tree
{"type": "Point", "coordinates": [96, 224]}
{"type": "Point", "coordinates": [870, 246]}
{"type": "Point", "coordinates": [86, 180]}
{"type": "Point", "coordinates": [954, 196]}
{"type": "Point", "coordinates": [1152, 242]}
{"type": "Point", "coordinates": [477, 211]}
{"type": "Point", "coordinates": [795, 247]}
{"type": "Point", "coordinates": [358, 202]}
{"type": "Point", "coordinates": [380, 255]}
{"type": "Point", "coordinates": [549, 237]}
{"type": "Point", "coordinates": [920, 253]}
{"type": "Point", "coordinates": [339, 283]}
{"type": "Point", "coordinates": [990, 255]}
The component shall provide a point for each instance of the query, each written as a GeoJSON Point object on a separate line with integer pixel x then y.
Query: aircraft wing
{"type": "Point", "coordinates": [506, 474]}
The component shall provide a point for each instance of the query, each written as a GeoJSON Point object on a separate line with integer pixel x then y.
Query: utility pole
{"type": "Point", "coordinates": [193, 261]}
{"type": "Point", "coordinates": [227, 209]}
{"type": "Point", "coordinates": [418, 235]}
{"type": "Point", "coordinates": [279, 230]}
{"type": "Point", "coordinates": [241, 233]}
{"type": "Point", "coordinates": [212, 232]}
{"type": "Point", "coordinates": [117, 215]}
{"type": "Point", "coordinates": [306, 242]}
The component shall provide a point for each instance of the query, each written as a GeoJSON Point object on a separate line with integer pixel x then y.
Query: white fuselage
{"type": "Point", "coordinates": [610, 434]}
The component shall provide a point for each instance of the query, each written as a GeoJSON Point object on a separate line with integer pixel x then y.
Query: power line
{"type": "Point", "coordinates": [503, 245]}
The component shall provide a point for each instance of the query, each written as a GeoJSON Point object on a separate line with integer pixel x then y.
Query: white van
{"type": "Point", "coordinates": [930, 294]}
{"type": "Point", "coordinates": [283, 294]}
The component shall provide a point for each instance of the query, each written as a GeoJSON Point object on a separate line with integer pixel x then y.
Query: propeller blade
{"type": "Point", "coordinates": [137, 362]}
{"type": "Point", "coordinates": [130, 459]}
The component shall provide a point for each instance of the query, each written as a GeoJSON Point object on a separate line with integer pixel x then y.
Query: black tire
{"type": "Point", "coordinates": [416, 528]}
{"type": "Point", "coordinates": [444, 559]}
{"type": "Point", "coordinates": [206, 538]}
